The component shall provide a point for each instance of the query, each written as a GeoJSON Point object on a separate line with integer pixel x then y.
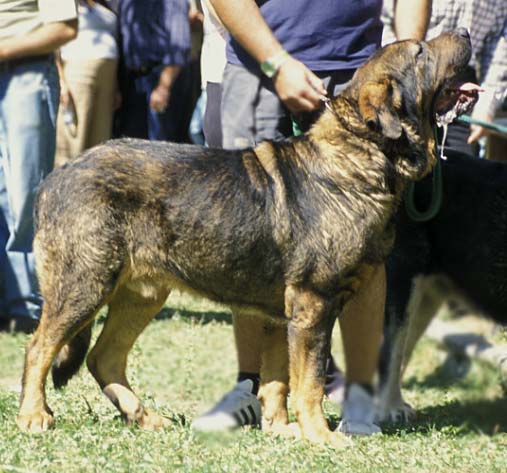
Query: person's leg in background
{"type": "Point", "coordinates": [362, 325]}
{"type": "Point", "coordinates": [212, 120]}
{"type": "Point", "coordinates": [170, 125]}
{"type": "Point", "coordinates": [195, 129]}
{"type": "Point", "coordinates": [4, 237]}
{"type": "Point", "coordinates": [92, 85]}
{"type": "Point", "coordinates": [103, 102]}
{"type": "Point", "coordinates": [133, 114]}
{"type": "Point", "coordinates": [28, 114]}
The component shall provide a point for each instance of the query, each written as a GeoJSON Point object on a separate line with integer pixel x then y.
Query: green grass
{"type": "Point", "coordinates": [185, 360]}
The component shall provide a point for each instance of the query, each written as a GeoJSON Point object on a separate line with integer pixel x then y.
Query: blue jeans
{"type": "Point", "coordinates": [29, 96]}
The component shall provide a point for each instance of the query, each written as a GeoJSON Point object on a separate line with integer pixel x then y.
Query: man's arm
{"type": "Point", "coordinates": [411, 18]}
{"type": "Point", "coordinates": [295, 84]}
{"type": "Point", "coordinates": [43, 40]}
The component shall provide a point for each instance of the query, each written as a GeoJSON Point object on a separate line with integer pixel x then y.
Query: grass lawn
{"type": "Point", "coordinates": [185, 360]}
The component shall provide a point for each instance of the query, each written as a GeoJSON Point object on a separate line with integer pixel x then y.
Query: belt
{"type": "Point", "coordinates": [11, 64]}
{"type": "Point", "coordinates": [143, 70]}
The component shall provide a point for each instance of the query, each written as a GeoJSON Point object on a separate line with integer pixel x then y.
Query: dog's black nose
{"type": "Point", "coordinates": [463, 32]}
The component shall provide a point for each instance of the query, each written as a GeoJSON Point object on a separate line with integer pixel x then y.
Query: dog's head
{"type": "Point", "coordinates": [406, 88]}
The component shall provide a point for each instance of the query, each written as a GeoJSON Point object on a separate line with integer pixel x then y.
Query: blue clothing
{"type": "Point", "coordinates": [154, 32]}
{"type": "Point", "coordinates": [29, 97]}
{"type": "Point", "coordinates": [138, 120]}
{"type": "Point", "coordinates": [326, 35]}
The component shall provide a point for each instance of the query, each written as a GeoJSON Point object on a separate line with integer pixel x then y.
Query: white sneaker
{"type": "Point", "coordinates": [358, 413]}
{"type": "Point", "coordinates": [237, 408]}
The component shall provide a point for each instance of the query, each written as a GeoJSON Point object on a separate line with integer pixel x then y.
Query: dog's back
{"type": "Point", "coordinates": [466, 241]}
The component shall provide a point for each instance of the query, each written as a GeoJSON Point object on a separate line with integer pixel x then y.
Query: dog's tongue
{"type": "Point", "coordinates": [469, 90]}
{"type": "Point", "coordinates": [465, 96]}
{"type": "Point", "coordinates": [470, 87]}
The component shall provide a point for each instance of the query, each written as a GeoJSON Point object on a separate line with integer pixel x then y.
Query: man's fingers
{"type": "Point", "coordinates": [300, 104]}
{"type": "Point", "coordinates": [316, 84]}
{"type": "Point", "coordinates": [477, 132]}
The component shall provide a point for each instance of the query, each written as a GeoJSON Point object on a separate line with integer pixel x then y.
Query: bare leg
{"type": "Point", "coordinates": [362, 324]}
{"type": "Point", "coordinates": [248, 334]}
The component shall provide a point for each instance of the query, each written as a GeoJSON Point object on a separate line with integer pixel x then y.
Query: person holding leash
{"type": "Point", "coordinates": [283, 59]}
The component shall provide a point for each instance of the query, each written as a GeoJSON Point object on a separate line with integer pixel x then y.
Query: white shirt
{"type": "Point", "coordinates": [97, 36]}
{"type": "Point", "coordinates": [213, 49]}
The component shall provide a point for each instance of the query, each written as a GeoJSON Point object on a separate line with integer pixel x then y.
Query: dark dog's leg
{"type": "Point", "coordinates": [421, 309]}
{"type": "Point", "coordinates": [274, 381]}
{"type": "Point", "coordinates": [309, 334]}
{"type": "Point", "coordinates": [129, 313]}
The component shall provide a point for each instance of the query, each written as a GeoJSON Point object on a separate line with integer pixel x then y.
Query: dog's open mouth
{"type": "Point", "coordinates": [454, 100]}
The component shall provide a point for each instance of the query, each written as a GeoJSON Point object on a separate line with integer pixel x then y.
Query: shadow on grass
{"type": "Point", "coordinates": [201, 318]}
{"type": "Point", "coordinates": [488, 417]}
{"type": "Point", "coordinates": [454, 368]}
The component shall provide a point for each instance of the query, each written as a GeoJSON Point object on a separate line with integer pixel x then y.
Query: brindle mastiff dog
{"type": "Point", "coordinates": [287, 230]}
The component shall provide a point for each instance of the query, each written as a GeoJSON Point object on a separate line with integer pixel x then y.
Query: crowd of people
{"type": "Point", "coordinates": [221, 73]}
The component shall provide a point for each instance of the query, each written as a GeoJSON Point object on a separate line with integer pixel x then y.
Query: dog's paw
{"type": "Point", "coordinates": [290, 430]}
{"type": "Point", "coordinates": [150, 420]}
{"type": "Point", "coordinates": [36, 422]}
{"type": "Point", "coordinates": [338, 441]}
{"type": "Point", "coordinates": [399, 413]}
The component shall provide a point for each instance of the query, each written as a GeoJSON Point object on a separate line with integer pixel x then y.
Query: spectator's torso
{"type": "Point", "coordinates": [325, 35]}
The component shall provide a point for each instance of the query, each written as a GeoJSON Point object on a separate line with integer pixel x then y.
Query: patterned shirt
{"type": "Point", "coordinates": [486, 20]}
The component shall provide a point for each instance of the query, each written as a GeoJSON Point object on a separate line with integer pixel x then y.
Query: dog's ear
{"type": "Point", "coordinates": [377, 107]}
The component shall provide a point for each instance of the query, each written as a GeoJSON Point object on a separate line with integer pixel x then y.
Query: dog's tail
{"type": "Point", "coordinates": [71, 357]}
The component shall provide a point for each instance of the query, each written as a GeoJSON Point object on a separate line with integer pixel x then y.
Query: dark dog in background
{"type": "Point", "coordinates": [288, 231]}
{"type": "Point", "coordinates": [464, 248]}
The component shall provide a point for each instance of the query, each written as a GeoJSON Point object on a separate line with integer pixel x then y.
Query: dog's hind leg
{"type": "Point", "coordinates": [56, 328]}
{"type": "Point", "coordinates": [275, 382]}
{"type": "Point", "coordinates": [129, 313]}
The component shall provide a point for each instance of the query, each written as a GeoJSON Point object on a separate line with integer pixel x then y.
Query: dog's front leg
{"type": "Point", "coordinates": [311, 321]}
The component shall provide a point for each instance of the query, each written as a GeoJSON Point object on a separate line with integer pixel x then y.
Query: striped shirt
{"type": "Point", "coordinates": [486, 20]}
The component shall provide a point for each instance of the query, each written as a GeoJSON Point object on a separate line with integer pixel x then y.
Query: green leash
{"type": "Point", "coordinates": [436, 194]}
{"type": "Point", "coordinates": [296, 129]}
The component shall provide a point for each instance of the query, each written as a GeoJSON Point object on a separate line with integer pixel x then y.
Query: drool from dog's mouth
{"type": "Point", "coordinates": [454, 100]}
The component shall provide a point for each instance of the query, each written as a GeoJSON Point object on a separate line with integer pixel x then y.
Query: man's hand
{"type": "Point", "coordinates": [477, 131]}
{"type": "Point", "coordinates": [298, 88]}
{"type": "Point", "coordinates": [65, 96]}
{"type": "Point", "coordinates": [159, 98]}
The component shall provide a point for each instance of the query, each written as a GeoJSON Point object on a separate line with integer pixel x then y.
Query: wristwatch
{"type": "Point", "coordinates": [271, 65]}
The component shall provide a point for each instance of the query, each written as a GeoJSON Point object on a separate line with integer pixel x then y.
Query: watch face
{"type": "Point", "coordinates": [268, 68]}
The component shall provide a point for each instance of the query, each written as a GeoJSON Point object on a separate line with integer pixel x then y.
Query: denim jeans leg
{"type": "Point", "coordinates": [28, 107]}
{"type": "Point", "coordinates": [4, 234]}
